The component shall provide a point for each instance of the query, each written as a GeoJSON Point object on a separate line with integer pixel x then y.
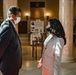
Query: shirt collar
{"type": "Point", "coordinates": [11, 21]}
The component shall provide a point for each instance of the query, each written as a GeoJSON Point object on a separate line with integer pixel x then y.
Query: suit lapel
{"type": "Point", "coordinates": [14, 30]}
{"type": "Point", "coordinates": [13, 27]}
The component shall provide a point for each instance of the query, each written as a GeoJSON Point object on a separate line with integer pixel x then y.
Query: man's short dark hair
{"type": "Point", "coordinates": [13, 10]}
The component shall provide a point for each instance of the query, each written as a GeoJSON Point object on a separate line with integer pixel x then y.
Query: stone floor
{"type": "Point", "coordinates": [29, 66]}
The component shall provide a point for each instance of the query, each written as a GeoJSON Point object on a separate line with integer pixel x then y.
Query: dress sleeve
{"type": "Point", "coordinates": [40, 60]}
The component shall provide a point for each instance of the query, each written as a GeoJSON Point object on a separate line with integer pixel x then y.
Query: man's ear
{"type": "Point", "coordinates": [13, 16]}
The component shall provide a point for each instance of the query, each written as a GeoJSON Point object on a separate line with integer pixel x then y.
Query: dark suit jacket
{"type": "Point", "coordinates": [10, 48]}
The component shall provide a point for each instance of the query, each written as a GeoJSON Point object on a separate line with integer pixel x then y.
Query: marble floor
{"type": "Point", "coordinates": [29, 66]}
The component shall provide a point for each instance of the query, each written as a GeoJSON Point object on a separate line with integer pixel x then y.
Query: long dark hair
{"type": "Point", "coordinates": [57, 29]}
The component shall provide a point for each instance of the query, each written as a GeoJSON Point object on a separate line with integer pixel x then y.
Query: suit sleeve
{"type": "Point", "coordinates": [58, 55]}
{"type": "Point", "coordinates": [58, 47]}
{"type": "Point", "coordinates": [5, 37]}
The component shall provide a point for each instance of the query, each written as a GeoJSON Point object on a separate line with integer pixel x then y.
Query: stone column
{"type": "Point", "coordinates": [6, 5]}
{"type": "Point", "coordinates": [66, 18]}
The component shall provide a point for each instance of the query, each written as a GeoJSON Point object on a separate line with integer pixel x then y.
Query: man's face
{"type": "Point", "coordinates": [18, 15]}
{"type": "Point", "coordinates": [14, 17]}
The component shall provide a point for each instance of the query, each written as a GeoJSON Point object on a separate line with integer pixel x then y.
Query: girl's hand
{"type": "Point", "coordinates": [39, 65]}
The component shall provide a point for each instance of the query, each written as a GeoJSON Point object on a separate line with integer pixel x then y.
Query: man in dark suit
{"type": "Point", "coordinates": [10, 46]}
